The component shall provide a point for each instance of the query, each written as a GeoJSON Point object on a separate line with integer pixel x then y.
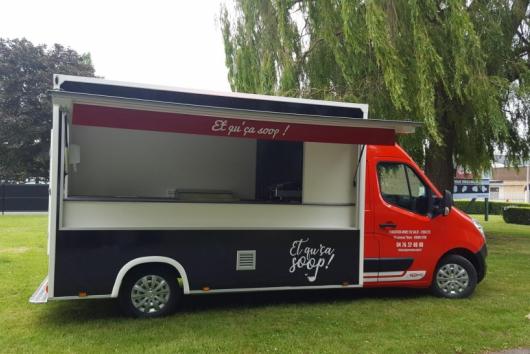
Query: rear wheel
{"type": "Point", "coordinates": [454, 278]}
{"type": "Point", "coordinates": [150, 292]}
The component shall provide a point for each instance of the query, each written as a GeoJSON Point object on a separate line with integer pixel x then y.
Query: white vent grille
{"type": "Point", "coordinates": [246, 260]}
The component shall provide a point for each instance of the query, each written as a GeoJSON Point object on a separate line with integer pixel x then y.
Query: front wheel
{"type": "Point", "coordinates": [454, 278]}
{"type": "Point", "coordinates": [149, 292]}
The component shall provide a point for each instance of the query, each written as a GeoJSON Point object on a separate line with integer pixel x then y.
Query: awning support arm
{"type": "Point", "coordinates": [358, 166]}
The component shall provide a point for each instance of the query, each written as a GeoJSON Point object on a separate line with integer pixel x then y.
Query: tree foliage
{"type": "Point", "coordinates": [460, 67]}
{"type": "Point", "coordinates": [26, 72]}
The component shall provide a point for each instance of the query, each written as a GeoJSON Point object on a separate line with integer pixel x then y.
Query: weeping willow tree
{"type": "Point", "coordinates": [460, 67]}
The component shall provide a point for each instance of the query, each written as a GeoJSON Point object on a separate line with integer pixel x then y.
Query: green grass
{"type": "Point", "coordinates": [361, 321]}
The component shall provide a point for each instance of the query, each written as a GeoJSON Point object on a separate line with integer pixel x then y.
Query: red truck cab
{"type": "Point", "coordinates": [413, 237]}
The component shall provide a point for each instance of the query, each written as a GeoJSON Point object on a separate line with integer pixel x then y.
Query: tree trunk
{"type": "Point", "coordinates": [439, 165]}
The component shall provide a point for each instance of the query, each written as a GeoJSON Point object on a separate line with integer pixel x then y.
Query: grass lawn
{"type": "Point", "coordinates": [361, 321]}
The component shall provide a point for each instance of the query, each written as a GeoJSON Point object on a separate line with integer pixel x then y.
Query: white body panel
{"type": "Point", "coordinates": [54, 186]}
{"type": "Point", "coordinates": [328, 173]}
{"type": "Point", "coordinates": [142, 215]}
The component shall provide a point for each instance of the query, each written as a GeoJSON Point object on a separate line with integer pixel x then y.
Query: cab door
{"type": "Point", "coordinates": [402, 226]}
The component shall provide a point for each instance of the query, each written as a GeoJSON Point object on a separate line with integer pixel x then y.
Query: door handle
{"type": "Point", "coordinates": [388, 224]}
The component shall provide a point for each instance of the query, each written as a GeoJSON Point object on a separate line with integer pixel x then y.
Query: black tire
{"type": "Point", "coordinates": [455, 278]}
{"type": "Point", "coordinates": [145, 304]}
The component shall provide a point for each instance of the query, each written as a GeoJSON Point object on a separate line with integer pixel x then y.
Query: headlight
{"type": "Point", "coordinates": [479, 228]}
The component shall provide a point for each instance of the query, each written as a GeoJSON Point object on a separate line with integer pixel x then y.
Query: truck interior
{"type": "Point", "coordinates": [120, 163]}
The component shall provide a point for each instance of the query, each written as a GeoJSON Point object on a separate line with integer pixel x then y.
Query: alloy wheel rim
{"type": "Point", "coordinates": [150, 294]}
{"type": "Point", "coordinates": [452, 279]}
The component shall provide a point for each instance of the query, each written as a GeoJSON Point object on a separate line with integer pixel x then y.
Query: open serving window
{"type": "Point", "coordinates": [176, 167]}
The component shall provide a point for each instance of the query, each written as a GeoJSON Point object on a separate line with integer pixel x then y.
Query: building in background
{"type": "Point", "coordinates": [501, 183]}
{"type": "Point", "coordinates": [508, 183]}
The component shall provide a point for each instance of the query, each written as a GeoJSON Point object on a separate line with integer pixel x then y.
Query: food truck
{"type": "Point", "coordinates": [158, 192]}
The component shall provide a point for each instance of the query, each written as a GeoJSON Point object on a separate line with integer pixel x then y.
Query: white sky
{"type": "Point", "coordinates": [173, 43]}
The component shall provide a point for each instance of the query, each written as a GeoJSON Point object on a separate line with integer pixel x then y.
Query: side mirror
{"type": "Point", "coordinates": [446, 203]}
{"type": "Point", "coordinates": [441, 206]}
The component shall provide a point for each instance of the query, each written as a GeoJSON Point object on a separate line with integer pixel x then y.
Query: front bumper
{"type": "Point", "coordinates": [481, 260]}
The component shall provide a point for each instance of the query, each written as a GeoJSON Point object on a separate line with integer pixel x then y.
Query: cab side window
{"type": "Point", "coordinates": [400, 186]}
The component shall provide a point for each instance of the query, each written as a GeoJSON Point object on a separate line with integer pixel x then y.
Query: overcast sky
{"type": "Point", "coordinates": [174, 43]}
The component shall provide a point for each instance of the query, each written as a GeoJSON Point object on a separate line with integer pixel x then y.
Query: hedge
{"type": "Point", "coordinates": [516, 215]}
{"type": "Point", "coordinates": [478, 206]}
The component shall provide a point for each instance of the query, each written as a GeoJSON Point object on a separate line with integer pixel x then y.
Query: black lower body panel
{"type": "Point", "coordinates": [89, 260]}
{"type": "Point", "coordinates": [387, 264]}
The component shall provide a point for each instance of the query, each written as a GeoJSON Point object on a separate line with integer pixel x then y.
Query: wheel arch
{"type": "Point", "coordinates": [149, 260]}
{"type": "Point", "coordinates": [470, 256]}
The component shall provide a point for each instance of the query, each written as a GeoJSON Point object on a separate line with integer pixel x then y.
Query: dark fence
{"type": "Point", "coordinates": [23, 197]}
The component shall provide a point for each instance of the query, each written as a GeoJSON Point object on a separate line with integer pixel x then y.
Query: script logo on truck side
{"type": "Point", "coordinates": [310, 259]}
{"type": "Point", "coordinates": [250, 130]}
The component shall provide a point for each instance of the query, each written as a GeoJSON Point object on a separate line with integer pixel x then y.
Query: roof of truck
{"type": "Point", "coordinates": [233, 100]}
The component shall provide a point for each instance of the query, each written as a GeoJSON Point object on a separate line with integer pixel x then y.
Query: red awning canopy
{"type": "Point", "coordinates": [137, 119]}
